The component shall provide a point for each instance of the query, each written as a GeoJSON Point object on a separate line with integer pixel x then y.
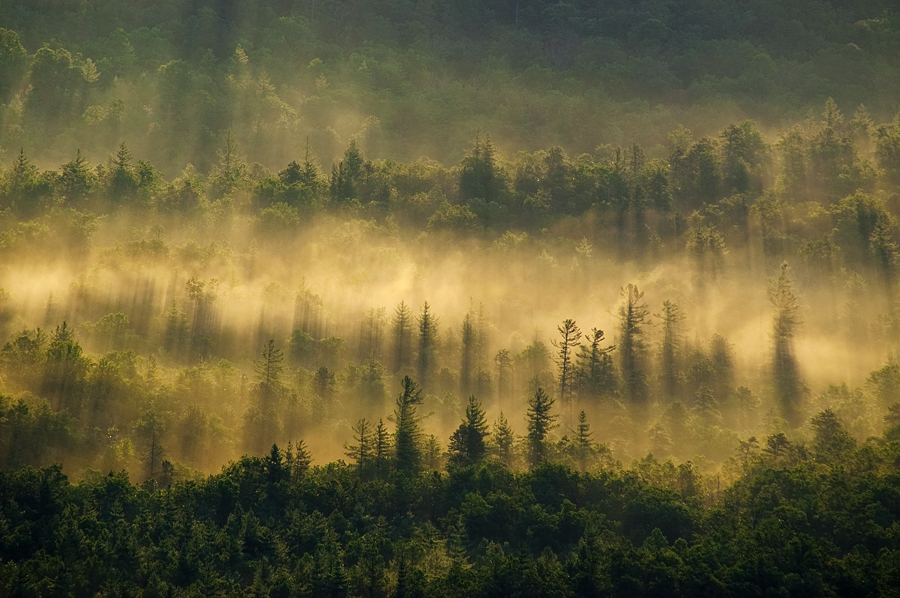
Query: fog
{"type": "Point", "coordinates": [232, 287]}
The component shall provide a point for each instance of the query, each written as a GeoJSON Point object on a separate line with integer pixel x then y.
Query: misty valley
{"type": "Point", "coordinates": [315, 299]}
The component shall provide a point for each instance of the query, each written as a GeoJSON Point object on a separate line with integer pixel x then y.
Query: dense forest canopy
{"type": "Point", "coordinates": [411, 79]}
{"type": "Point", "coordinates": [462, 298]}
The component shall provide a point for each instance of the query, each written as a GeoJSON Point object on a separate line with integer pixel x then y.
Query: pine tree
{"type": "Point", "coordinates": [467, 445]}
{"type": "Point", "coordinates": [789, 387]}
{"type": "Point", "coordinates": [76, 181]}
{"type": "Point", "coordinates": [372, 335]}
{"type": "Point", "coordinates": [123, 180]}
{"type": "Point", "coordinates": [381, 447]}
{"type": "Point", "coordinates": [478, 176]}
{"type": "Point", "coordinates": [706, 406]}
{"type": "Point", "coordinates": [540, 422]}
{"type": "Point", "coordinates": [345, 174]}
{"type": "Point", "coordinates": [504, 438]}
{"type": "Point", "coordinates": [467, 355]}
{"type": "Point", "coordinates": [427, 338]}
{"type": "Point", "coordinates": [670, 349]}
{"type": "Point", "coordinates": [323, 383]}
{"type": "Point", "coordinates": [231, 172]}
{"type": "Point", "coordinates": [407, 438]}
{"type": "Point", "coordinates": [777, 445]}
{"type": "Point", "coordinates": [595, 371]}
{"type": "Point", "coordinates": [402, 336]}
{"type": "Point", "coordinates": [570, 335]}
{"type": "Point", "coordinates": [362, 451]}
{"type": "Point", "coordinates": [632, 316]}
{"type": "Point", "coordinates": [504, 375]}
{"type": "Point", "coordinates": [268, 370]}
{"type": "Point", "coordinates": [585, 447]}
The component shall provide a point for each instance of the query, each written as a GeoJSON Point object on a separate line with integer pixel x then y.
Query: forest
{"type": "Point", "coordinates": [481, 298]}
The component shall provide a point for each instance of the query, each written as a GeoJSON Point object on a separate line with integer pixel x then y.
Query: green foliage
{"type": "Point", "coordinates": [540, 422]}
{"type": "Point", "coordinates": [478, 529]}
{"type": "Point", "coordinates": [408, 435]}
{"type": "Point", "coordinates": [467, 444]}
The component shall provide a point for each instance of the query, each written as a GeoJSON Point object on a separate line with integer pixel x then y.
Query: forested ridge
{"type": "Point", "coordinates": [461, 298]}
{"type": "Point", "coordinates": [411, 79]}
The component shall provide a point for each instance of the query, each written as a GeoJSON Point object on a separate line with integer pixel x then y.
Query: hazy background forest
{"type": "Point", "coordinates": [228, 224]}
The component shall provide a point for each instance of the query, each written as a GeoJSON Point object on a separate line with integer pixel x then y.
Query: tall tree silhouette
{"type": "Point", "coordinates": [540, 422]}
{"type": "Point", "coordinates": [788, 385]}
{"type": "Point", "coordinates": [407, 437]}
{"type": "Point", "coordinates": [402, 336]}
{"type": "Point", "coordinates": [570, 335]}
{"type": "Point", "coordinates": [632, 348]}
{"type": "Point", "coordinates": [427, 339]}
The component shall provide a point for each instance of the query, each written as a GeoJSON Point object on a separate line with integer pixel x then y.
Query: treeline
{"type": "Point", "coordinates": [823, 194]}
{"type": "Point", "coordinates": [174, 76]}
{"type": "Point", "coordinates": [822, 524]}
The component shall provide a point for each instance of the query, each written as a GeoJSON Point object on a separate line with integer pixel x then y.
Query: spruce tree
{"type": "Point", "coordinates": [584, 445]}
{"type": "Point", "coordinates": [467, 445]}
{"type": "Point", "coordinates": [402, 336]}
{"type": "Point", "coordinates": [427, 338]}
{"type": "Point", "coordinates": [540, 422]}
{"type": "Point", "coordinates": [504, 438]}
{"type": "Point", "coordinates": [632, 320]}
{"type": "Point", "coordinates": [407, 438]}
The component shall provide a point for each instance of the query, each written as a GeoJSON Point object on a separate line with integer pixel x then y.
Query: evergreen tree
{"type": "Point", "coordinates": [670, 349]}
{"type": "Point", "coordinates": [76, 182]}
{"type": "Point", "coordinates": [831, 440]}
{"type": "Point", "coordinates": [540, 422]}
{"type": "Point", "coordinates": [504, 438]}
{"type": "Point", "coordinates": [585, 449]}
{"type": "Point", "coordinates": [504, 375]}
{"type": "Point", "coordinates": [150, 427]}
{"type": "Point", "coordinates": [788, 385]}
{"type": "Point", "coordinates": [345, 175]}
{"type": "Point", "coordinates": [777, 445]}
{"type": "Point", "coordinates": [570, 336]}
{"type": "Point", "coordinates": [323, 383]}
{"type": "Point", "coordinates": [122, 179]}
{"type": "Point", "coordinates": [297, 460]}
{"type": "Point", "coordinates": [427, 339]}
{"type": "Point", "coordinates": [371, 342]}
{"type": "Point", "coordinates": [479, 177]}
{"type": "Point", "coordinates": [706, 406]}
{"type": "Point", "coordinates": [467, 355]}
{"type": "Point", "coordinates": [231, 173]}
{"type": "Point", "coordinates": [381, 447]}
{"type": "Point", "coordinates": [261, 420]}
{"type": "Point", "coordinates": [268, 370]}
{"type": "Point", "coordinates": [23, 188]}
{"type": "Point", "coordinates": [361, 452]}
{"type": "Point", "coordinates": [595, 371]}
{"type": "Point", "coordinates": [407, 437]}
{"type": "Point", "coordinates": [632, 320]}
{"type": "Point", "coordinates": [402, 337]}
{"type": "Point", "coordinates": [467, 445]}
